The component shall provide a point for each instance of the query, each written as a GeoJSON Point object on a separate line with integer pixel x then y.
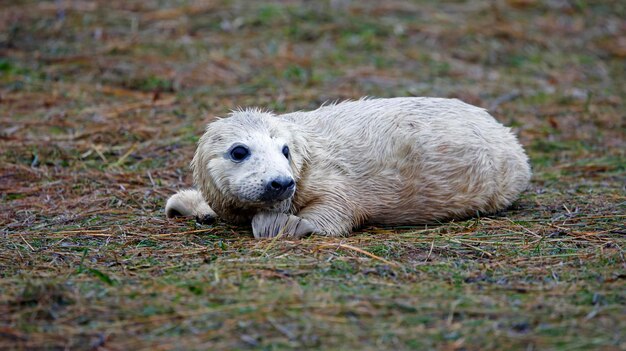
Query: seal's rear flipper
{"type": "Point", "coordinates": [189, 203]}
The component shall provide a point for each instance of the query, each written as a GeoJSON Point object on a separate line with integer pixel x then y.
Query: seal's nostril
{"type": "Point", "coordinates": [279, 188]}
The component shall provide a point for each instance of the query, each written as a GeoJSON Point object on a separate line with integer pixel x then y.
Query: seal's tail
{"type": "Point", "coordinates": [189, 203]}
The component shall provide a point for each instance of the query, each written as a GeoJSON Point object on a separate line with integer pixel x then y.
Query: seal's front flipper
{"type": "Point", "coordinates": [206, 219]}
{"type": "Point", "coordinates": [273, 224]}
{"type": "Point", "coordinates": [189, 203]}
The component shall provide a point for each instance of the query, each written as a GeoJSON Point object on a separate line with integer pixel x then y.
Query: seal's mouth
{"type": "Point", "coordinates": [272, 199]}
{"type": "Point", "coordinates": [265, 194]}
{"type": "Point", "coordinates": [267, 201]}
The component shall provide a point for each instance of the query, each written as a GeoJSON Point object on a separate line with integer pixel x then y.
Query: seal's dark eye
{"type": "Point", "coordinates": [286, 151]}
{"type": "Point", "coordinates": [239, 153]}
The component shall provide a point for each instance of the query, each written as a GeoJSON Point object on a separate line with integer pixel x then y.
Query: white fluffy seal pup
{"type": "Point", "coordinates": [398, 161]}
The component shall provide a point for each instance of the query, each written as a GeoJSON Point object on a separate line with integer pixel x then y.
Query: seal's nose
{"type": "Point", "coordinates": [279, 188]}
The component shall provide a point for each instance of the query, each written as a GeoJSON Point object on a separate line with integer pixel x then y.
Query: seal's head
{"type": "Point", "coordinates": [249, 160]}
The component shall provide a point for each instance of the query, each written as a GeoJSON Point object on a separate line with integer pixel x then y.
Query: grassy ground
{"type": "Point", "coordinates": [101, 103]}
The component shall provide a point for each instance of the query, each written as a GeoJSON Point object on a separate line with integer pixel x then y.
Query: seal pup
{"type": "Point", "coordinates": [396, 161]}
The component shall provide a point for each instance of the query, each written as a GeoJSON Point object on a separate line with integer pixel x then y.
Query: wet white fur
{"type": "Point", "coordinates": [187, 203]}
{"type": "Point", "coordinates": [399, 161]}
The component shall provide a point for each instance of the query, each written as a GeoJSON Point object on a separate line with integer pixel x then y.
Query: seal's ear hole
{"type": "Point", "coordinates": [286, 151]}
